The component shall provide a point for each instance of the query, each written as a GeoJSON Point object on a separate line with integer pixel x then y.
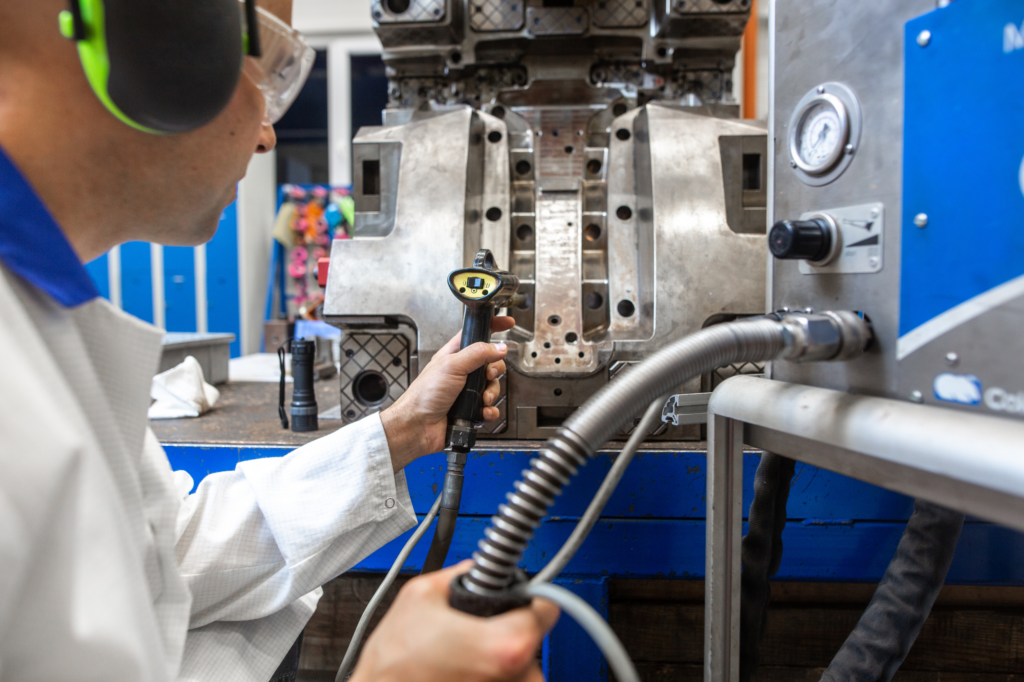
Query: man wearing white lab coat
{"type": "Point", "coordinates": [109, 569]}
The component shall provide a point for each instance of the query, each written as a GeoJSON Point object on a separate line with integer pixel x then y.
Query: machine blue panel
{"type": "Point", "coordinates": [963, 163]}
{"type": "Point", "coordinates": [664, 485]}
{"type": "Point", "coordinates": [137, 280]}
{"type": "Point", "coordinates": [839, 529]}
{"type": "Point", "coordinates": [222, 294]}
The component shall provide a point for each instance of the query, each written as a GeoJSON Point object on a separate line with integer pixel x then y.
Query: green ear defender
{"type": "Point", "coordinates": [162, 66]}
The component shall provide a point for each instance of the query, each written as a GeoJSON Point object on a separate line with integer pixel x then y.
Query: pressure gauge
{"type": "Point", "coordinates": [824, 132]}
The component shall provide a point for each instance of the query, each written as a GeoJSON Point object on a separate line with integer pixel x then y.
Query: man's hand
{"type": "Point", "coordinates": [422, 639]}
{"type": "Point", "coordinates": [415, 425]}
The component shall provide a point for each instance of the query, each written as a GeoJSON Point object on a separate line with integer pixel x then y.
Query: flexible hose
{"type": "Point", "coordinates": [762, 554]}
{"type": "Point", "coordinates": [650, 419]}
{"type": "Point", "coordinates": [595, 626]}
{"type": "Point", "coordinates": [378, 596]}
{"type": "Point", "coordinates": [903, 600]}
{"type": "Point", "coordinates": [594, 423]}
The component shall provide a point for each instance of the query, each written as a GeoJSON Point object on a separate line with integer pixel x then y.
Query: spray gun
{"type": "Point", "coordinates": [483, 289]}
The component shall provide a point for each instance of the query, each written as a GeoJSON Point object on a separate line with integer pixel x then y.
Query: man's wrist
{"type": "Point", "coordinates": [403, 438]}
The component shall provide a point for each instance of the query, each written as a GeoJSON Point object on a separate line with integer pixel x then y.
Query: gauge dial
{"type": "Point", "coordinates": [821, 131]}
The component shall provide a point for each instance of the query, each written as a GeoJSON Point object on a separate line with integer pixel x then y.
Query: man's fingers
{"type": "Point", "coordinates": [496, 369]}
{"type": "Point", "coordinates": [546, 612]}
{"type": "Point", "coordinates": [532, 675]}
{"type": "Point", "coordinates": [502, 324]}
{"type": "Point", "coordinates": [474, 357]}
{"type": "Point", "coordinates": [498, 324]}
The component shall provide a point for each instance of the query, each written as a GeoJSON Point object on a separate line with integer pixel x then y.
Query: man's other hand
{"type": "Point", "coordinates": [422, 639]}
{"type": "Point", "coordinates": [415, 425]}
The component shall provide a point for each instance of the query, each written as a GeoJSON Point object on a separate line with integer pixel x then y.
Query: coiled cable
{"type": "Point", "coordinates": [651, 418]}
{"type": "Point", "coordinates": [588, 428]}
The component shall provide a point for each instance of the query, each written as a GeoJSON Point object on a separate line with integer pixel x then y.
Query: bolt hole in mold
{"type": "Point", "coordinates": [547, 344]}
{"type": "Point", "coordinates": [622, 134]}
{"type": "Point", "coordinates": [493, 214]}
{"type": "Point", "coordinates": [397, 6]}
{"type": "Point", "coordinates": [592, 232]}
{"type": "Point", "coordinates": [594, 300]}
{"type": "Point", "coordinates": [594, 166]}
{"type": "Point", "coordinates": [524, 233]}
{"type": "Point", "coordinates": [624, 212]}
{"type": "Point", "coordinates": [523, 167]}
{"type": "Point", "coordinates": [571, 337]}
{"type": "Point", "coordinates": [619, 109]}
{"type": "Point", "coordinates": [370, 388]}
{"type": "Point", "coordinates": [554, 320]}
{"type": "Point", "coordinates": [625, 308]}
{"type": "Point", "coordinates": [558, 391]}
{"type": "Point", "coordinates": [498, 112]}
{"type": "Point", "coordinates": [494, 136]}
{"type": "Point", "coordinates": [569, 149]}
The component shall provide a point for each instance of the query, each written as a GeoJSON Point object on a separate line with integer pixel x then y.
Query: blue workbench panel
{"type": "Point", "coordinates": [661, 548]}
{"type": "Point", "coordinates": [668, 485]}
{"type": "Point", "coordinates": [840, 529]}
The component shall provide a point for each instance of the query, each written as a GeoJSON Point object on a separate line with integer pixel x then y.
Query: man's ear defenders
{"type": "Point", "coordinates": [162, 66]}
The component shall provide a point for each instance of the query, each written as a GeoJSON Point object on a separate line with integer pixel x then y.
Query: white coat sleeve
{"type": "Point", "coordinates": [254, 540]}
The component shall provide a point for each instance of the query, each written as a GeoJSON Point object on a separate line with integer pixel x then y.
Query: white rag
{"type": "Point", "coordinates": [181, 391]}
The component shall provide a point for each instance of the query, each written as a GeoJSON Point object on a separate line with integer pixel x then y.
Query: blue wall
{"type": "Point", "coordinates": [179, 282]}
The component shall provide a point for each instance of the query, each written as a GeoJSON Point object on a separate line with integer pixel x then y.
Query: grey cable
{"type": "Point", "coordinates": [595, 626]}
{"type": "Point", "coordinates": [651, 417]}
{"type": "Point", "coordinates": [364, 621]}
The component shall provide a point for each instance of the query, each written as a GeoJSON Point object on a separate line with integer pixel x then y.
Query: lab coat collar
{"type": "Point", "coordinates": [33, 246]}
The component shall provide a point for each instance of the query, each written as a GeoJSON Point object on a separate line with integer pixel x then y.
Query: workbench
{"type": "Point", "coordinates": [839, 530]}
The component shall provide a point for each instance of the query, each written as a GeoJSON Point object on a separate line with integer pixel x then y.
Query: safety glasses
{"type": "Point", "coordinates": [280, 63]}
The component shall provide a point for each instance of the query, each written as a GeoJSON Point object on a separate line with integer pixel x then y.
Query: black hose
{"type": "Point", "coordinates": [882, 639]}
{"type": "Point", "coordinates": [762, 554]}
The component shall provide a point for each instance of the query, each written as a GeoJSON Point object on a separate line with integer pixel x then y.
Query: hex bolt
{"type": "Point", "coordinates": [924, 37]}
{"type": "Point", "coordinates": [921, 220]}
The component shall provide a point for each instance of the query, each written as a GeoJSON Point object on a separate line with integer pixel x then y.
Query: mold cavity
{"type": "Point", "coordinates": [751, 171]}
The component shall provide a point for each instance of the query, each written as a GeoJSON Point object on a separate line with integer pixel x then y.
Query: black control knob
{"type": "Point", "coordinates": [800, 239]}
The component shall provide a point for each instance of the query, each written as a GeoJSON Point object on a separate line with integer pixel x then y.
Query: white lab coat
{"type": "Point", "coordinates": [109, 569]}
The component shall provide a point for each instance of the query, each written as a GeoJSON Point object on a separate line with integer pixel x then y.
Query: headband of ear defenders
{"type": "Point", "coordinates": [162, 66]}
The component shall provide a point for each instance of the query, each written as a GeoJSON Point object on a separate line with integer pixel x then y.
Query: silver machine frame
{"type": "Point", "coordinates": [968, 462]}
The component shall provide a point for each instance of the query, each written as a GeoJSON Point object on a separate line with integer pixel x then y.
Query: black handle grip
{"type": "Point", "coordinates": [469, 406]}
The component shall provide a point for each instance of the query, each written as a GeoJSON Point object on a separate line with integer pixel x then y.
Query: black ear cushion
{"type": "Point", "coordinates": [174, 64]}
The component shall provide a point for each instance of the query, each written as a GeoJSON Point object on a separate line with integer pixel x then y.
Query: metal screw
{"type": "Point", "coordinates": [924, 37]}
{"type": "Point", "coordinates": [821, 89]}
{"type": "Point", "coordinates": [849, 148]}
{"type": "Point", "coordinates": [875, 213]}
{"type": "Point", "coordinates": [921, 220]}
{"type": "Point", "coordinates": [873, 261]}
{"type": "Point", "coordinates": [916, 397]}
{"type": "Point", "coordinates": [952, 359]}
{"type": "Point", "coordinates": [792, 164]}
